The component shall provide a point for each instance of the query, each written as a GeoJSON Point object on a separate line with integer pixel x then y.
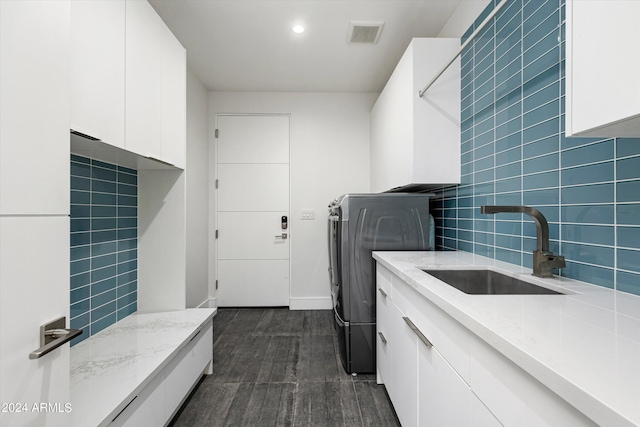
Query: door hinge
{"type": "Point", "coordinates": [216, 285]}
{"type": "Point", "coordinates": [216, 183]}
{"type": "Point", "coordinates": [217, 133]}
{"type": "Point", "coordinates": [216, 234]}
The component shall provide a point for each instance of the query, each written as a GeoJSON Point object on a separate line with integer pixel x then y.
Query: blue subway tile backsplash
{"type": "Point", "coordinates": [104, 244]}
{"type": "Point", "coordinates": [514, 152]}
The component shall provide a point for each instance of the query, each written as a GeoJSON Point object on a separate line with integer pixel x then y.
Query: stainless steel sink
{"type": "Point", "coordinates": [488, 282]}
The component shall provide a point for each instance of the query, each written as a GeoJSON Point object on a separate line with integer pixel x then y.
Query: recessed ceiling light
{"type": "Point", "coordinates": [298, 29]}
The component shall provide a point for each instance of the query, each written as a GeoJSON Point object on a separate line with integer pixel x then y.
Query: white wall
{"type": "Point", "coordinates": [197, 202]}
{"type": "Point", "coordinates": [463, 17]}
{"type": "Point", "coordinates": [329, 157]}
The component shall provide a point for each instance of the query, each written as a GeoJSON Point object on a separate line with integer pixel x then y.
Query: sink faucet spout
{"type": "Point", "coordinates": [542, 227]}
{"type": "Point", "coordinates": [544, 261]}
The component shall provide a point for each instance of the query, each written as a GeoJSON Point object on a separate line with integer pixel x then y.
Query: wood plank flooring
{"type": "Point", "coordinates": [276, 367]}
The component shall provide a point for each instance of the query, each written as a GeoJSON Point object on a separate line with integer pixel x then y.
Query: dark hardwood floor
{"type": "Point", "coordinates": [275, 367]}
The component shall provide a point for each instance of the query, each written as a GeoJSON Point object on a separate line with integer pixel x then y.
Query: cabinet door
{"type": "Point", "coordinates": [143, 76]}
{"type": "Point", "coordinates": [174, 99]}
{"type": "Point", "coordinates": [447, 335]}
{"type": "Point", "coordinates": [404, 370]}
{"type": "Point", "coordinates": [183, 372]}
{"type": "Point", "coordinates": [480, 415]}
{"type": "Point", "coordinates": [97, 69]}
{"type": "Point", "coordinates": [34, 278]}
{"type": "Point", "coordinates": [443, 397]}
{"type": "Point", "coordinates": [384, 340]}
{"type": "Point", "coordinates": [514, 396]}
{"type": "Point", "coordinates": [34, 107]}
{"type": "Point", "coordinates": [603, 99]}
{"type": "Point", "coordinates": [146, 410]}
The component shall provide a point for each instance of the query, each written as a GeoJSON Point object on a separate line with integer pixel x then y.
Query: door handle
{"type": "Point", "coordinates": [53, 335]}
{"type": "Point", "coordinates": [281, 236]}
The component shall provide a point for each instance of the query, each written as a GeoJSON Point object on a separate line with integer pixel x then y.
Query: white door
{"type": "Point", "coordinates": [252, 204]}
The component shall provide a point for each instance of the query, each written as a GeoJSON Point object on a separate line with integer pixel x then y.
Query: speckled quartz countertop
{"type": "Point", "coordinates": [585, 345]}
{"type": "Point", "coordinates": [113, 366]}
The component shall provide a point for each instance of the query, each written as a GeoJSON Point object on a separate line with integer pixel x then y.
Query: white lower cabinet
{"type": "Point", "coordinates": [515, 397]}
{"type": "Point", "coordinates": [459, 380]}
{"type": "Point", "coordinates": [405, 369]}
{"type": "Point", "coordinates": [480, 415]}
{"type": "Point", "coordinates": [383, 346]}
{"type": "Point", "coordinates": [144, 410]}
{"type": "Point", "coordinates": [159, 400]}
{"type": "Point", "coordinates": [185, 369]}
{"type": "Point", "coordinates": [443, 397]}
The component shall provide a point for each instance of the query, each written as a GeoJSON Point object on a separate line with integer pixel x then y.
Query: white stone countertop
{"type": "Point", "coordinates": [585, 345]}
{"type": "Point", "coordinates": [111, 367]}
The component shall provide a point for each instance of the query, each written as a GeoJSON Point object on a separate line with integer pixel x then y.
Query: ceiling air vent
{"type": "Point", "coordinates": [364, 32]}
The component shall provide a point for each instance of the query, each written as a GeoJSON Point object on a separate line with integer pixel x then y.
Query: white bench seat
{"type": "Point", "coordinates": [139, 370]}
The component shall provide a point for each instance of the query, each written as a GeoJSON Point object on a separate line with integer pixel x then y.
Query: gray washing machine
{"type": "Point", "coordinates": [358, 225]}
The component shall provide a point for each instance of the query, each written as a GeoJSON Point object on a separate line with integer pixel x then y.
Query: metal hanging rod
{"type": "Point", "coordinates": [465, 44]}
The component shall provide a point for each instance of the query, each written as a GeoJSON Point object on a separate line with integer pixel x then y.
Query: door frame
{"type": "Point", "coordinates": [214, 290]}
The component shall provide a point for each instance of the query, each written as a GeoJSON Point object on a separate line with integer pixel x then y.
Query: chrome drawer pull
{"type": "Point", "coordinates": [413, 327]}
{"type": "Point", "coordinates": [384, 294]}
{"type": "Point", "coordinates": [384, 340]}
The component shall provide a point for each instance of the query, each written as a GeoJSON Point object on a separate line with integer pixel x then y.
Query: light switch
{"type": "Point", "coordinates": [308, 214]}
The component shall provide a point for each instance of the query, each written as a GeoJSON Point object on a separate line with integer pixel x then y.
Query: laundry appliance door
{"type": "Point", "coordinates": [333, 242]}
{"type": "Point", "coordinates": [382, 223]}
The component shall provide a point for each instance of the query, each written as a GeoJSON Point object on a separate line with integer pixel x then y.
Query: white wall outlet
{"type": "Point", "coordinates": [308, 214]}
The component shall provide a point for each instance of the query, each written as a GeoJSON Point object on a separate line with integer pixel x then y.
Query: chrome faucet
{"type": "Point", "coordinates": [544, 261]}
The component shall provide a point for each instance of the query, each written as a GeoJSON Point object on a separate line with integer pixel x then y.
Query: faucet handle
{"type": "Point", "coordinates": [553, 262]}
{"type": "Point", "coordinates": [545, 262]}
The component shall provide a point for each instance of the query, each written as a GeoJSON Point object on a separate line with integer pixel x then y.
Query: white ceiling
{"type": "Point", "coordinates": [248, 45]}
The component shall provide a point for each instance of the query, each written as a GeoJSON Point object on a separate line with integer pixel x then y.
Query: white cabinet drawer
{"type": "Point", "coordinates": [480, 415]}
{"type": "Point", "coordinates": [383, 280]}
{"type": "Point", "coordinates": [514, 396]}
{"type": "Point", "coordinates": [145, 410]}
{"type": "Point", "coordinates": [384, 341]}
{"type": "Point", "coordinates": [404, 369]}
{"type": "Point", "coordinates": [443, 397]}
{"type": "Point", "coordinates": [447, 335]}
{"type": "Point", "coordinates": [186, 368]}
{"type": "Point", "coordinates": [156, 404]}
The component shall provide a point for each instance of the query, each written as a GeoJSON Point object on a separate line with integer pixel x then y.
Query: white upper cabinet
{"type": "Point", "coordinates": [416, 140]}
{"type": "Point", "coordinates": [174, 99]}
{"type": "Point", "coordinates": [34, 107]}
{"type": "Point", "coordinates": [97, 69]}
{"type": "Point", "coordinates": [143, 79]}
{"type": "Point", "coordinates": [603, 68]}
{"type": "Point", "coordinates": [155, 87]}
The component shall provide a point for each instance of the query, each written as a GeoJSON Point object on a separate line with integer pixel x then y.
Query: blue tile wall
{"type": "Point", "coordinates": [514, 152]}
{"type": "Point", "coordinates": [104, 244]}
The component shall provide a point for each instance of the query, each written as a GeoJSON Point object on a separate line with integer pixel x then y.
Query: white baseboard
{"type": "Point", "coordinates": [316, 303]}
{"type": "Point", "coordinates": [208, 303]}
